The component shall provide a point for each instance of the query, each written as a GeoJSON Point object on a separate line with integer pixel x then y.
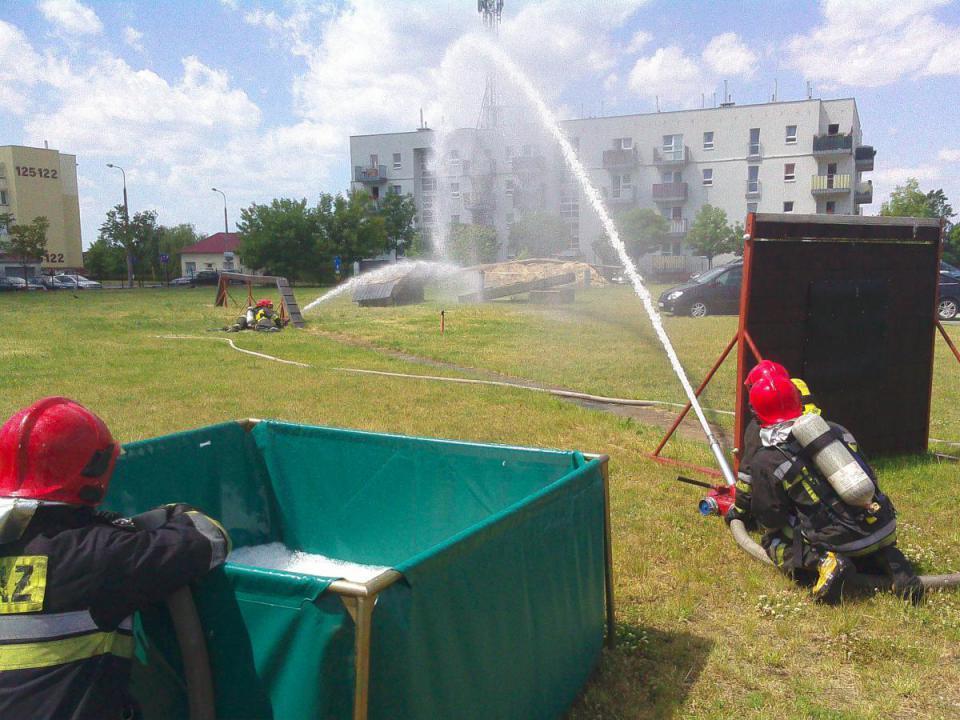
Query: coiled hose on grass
{"type": "Point", "coordinates": [930, 582]}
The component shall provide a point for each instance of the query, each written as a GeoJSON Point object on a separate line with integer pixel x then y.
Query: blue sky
{"type": "Point", "coordinates": [259, 98]}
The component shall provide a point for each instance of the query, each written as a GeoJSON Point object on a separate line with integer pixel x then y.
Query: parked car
{"type": "Point", "coordinates": [206, 277]}
{"type": "Point", "coordinates": [6, 285]}
{"type": "Point", "coordinates": [950, 270]}
{"type": "Point", "coordinates": [186, 281]}
{"type": "Point", "coordinates": [713, 292]}
{"type": "Point", "coordinates": [78, 282]}
{"type": "Point", "coordinates": [36, 283]}
{"type": "Point", "coordinates": [948, 304]}
{"type": "Point", "coordinates": [18, 282]}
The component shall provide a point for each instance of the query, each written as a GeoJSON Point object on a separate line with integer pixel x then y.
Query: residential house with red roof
{"type": "Point", "coordinates": [218, 252]}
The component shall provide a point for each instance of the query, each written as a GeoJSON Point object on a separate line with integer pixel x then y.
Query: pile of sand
{"type": "Point", "coordinates": [507, 273]}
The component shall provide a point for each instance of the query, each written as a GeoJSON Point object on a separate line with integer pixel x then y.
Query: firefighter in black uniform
{"type": "Point", "coordinates": [751, 435]}
{"type": "Point", "coordinates": [812, 534]}
{"type": "Point", "coordinates": [71, 578]}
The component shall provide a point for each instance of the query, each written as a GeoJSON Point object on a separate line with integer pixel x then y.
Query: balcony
{"type": "Point", "coordinates": [864, 193]}
{"type": "Point", "coordinates": [832, 144]}
{"type": "Point", "coordinates": [863, 156]}
{"type": "Point", "coordinates": [479, 202]}
{"type": "Point", "coordinates": [753, 189]}
{"type": "Point", "coordinates": [667, 157]}
{"type": "Point", "coordinates": [830, 184]}
{"type": "Point", "coordinates": [678, 226]}
{"type": "Point", "coordinates": [620, 159]}
{"type": "Point", "coordinates": [754, 151]}
{"type": "Point", "coordinates": [669, 192]}
{"type": "Point", "coordinates": [528, 164]}
{"type": "Point", "coordinates": [625, 195]}
{"type": "Point", "coordinates": [372, 175]}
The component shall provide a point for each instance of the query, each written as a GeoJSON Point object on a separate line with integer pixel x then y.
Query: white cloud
{"type": "Point", "coordinates": [639, 41]}
{"type": "Point", "coordinates": [669, 74]}
{"type": "Point", "coordinates": [133, 38]}
{"type": "Point", "coordinates": [230, 4]}
{"type": "Point", "coordinates": [269, 20]}
{"type": "Point", "coordinates": [950, 155]}
{"type": "Point", "coordinates": [726, 55]}
{"type": "Point", "coordinates": [20, 68]}
{"type": "Point", "coordinates": [676, 77]}
{"type": "Point", "coordinates": [869, 44]}
{"type": "Point", "coordinates": [71, 16]}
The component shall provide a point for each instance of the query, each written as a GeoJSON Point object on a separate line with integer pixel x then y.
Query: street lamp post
{"type": "Point", "coordinates": [126, 223]}
{"type": "Point", "coordinates": [226, 228]}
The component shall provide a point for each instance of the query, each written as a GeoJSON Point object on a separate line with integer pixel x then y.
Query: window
{"type": "Point", "coordinates": [708, 176]}
{"type": "Point", "coordinates": [789, 172]}
{"type": "Point", "coordinates": [622, 186]}
{"type": "Point", "coordinates": [752, 207]}
{"type": "Point", "coordinates": [733, 277]}
{"type": "Point", "coordinates": [623, 143]}
{"type": "Point", "coordinates": [397, 161]}
{"type": "Point", "coordinates": [395, 189]}
{"type": "Point", "coordinates": [753, 147]}
{"type": "Point", "coordinates": [3, 197]}
{"type": "Point", "coordinates": [191, 268]}
{"type": "Point", "coordinates": [791, 137]}
{"type": "Point", "coordinates": [831, 207]}
{"type": "Point", "coordinates": [833, 129]}
{"type": "Point", "coordinates": [708, 140]}
{"type": "Point", "coordinates": [670, 177]}
{"type": "Point", "coordinates": [455, 191]}
{"type": "Point", "coordinates": [753, 178]}
{"type": "Point", "coordinates": [374, 160]}
{"type": "Point", "coordinates": [510, 218]}
{"type": "Point", "coordinates": [508, 187]}
{"type": "Point", "coordinates": [429, 184]}
{"type": "Point", "coordinates": [788, 206]}
{"type": "Point", "coordinates": [453, 156]}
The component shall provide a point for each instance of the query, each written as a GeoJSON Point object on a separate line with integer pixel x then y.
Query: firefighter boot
{"type": "Point", "coordinates": [906, 584]}
{"type": "Point", "coordinates": [832, 570]}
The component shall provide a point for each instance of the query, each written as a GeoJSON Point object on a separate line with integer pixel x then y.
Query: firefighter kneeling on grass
{"type": "Point", "coordinates": [818, 499]}
{"type": "Point", "coordinates": [70, 577]}
{"type": "Point", "coordinates": [259, 317]}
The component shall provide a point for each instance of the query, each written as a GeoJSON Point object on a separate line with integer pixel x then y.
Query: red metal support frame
{"type": "Point", "coordinates": [950, 344]}
{"type": "Point", "coordinates": [706, 381]}
{"type": "Point", "coordinates": [740, 407]}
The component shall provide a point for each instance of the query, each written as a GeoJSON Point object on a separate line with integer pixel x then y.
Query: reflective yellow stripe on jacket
{"type": "Point", "coordinates": [38, 641]}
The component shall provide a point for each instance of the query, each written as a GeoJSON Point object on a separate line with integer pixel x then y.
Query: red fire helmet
{"type": "Point", "coordinates": [265, 303]}
{"type": "Point", "coordinates": [764, 368]}
{"type": "Point", "coordinates": [56, 450]}
{"type": "Point", "coordinates": [775, 399]}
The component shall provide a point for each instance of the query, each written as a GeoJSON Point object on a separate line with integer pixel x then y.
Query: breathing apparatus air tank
{"type": "Point", "coordinates": [834, 460]}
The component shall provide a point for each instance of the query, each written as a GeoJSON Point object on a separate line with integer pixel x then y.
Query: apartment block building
{"type": "Point", "coordinates": [802, 156]}
{"type": "Point", "coordinates": [37, 182]}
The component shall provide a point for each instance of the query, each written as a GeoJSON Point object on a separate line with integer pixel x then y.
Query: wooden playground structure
{"type": "Point", "coordinates": [289, 309]}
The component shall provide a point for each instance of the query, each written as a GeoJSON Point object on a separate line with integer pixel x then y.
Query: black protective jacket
{"type": "Point", "coordinates": [68, 588]}
{"type": "Point", "coordinates": [788, 492]}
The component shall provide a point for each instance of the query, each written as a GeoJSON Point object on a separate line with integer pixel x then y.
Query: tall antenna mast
{"type": "Point", "coordinates": [490, 11]}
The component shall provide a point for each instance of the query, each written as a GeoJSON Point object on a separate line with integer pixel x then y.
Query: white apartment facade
{"type": "Point", "coordinates": [803, 156]}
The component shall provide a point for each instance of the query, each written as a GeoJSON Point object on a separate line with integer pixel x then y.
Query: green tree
{"type": "Point", "coordinates": [281, 238]}
{"type": "Point", "coordinates": [737, 239]}
{"type": "Point", "coordinates": [538, 235]}
{"type": "Point", "coordinates": [711, 234]}
{"type": "Point", "coordinates": [951, 246]}
{"type": "Point", "coordinates": [643, 230]}
{"type": "Point", "coordinates": [908, 200]}
{"type": "Point", "coordinates": [398, 212]}
{"type": "Point", "coordinates": [354, 228]}
{"type": "Point", "coordinates": [136, 235]}
{"type": "Point", "coordinates": [146, 236]}
{"type": "Point", "coordinates": [25, 242]}
{"type": "Point", "coordinates": [174, 239]}
{"type": "Point", "coordinates": [105, 261]}
{"type": "Point", "coordinates": [604, 251]}
{"type": "Point", "coordinates": [472, 244]}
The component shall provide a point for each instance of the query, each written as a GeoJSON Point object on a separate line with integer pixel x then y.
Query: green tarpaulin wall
{"type": "Point", "coordinates": [500, 612]}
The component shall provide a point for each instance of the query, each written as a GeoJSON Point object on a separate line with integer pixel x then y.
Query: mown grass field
{"type": "Point", "coordinates": [704, 631]}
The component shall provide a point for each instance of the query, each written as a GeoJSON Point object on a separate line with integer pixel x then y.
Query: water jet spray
{"type": "Point", "coordinates": [549, 123]}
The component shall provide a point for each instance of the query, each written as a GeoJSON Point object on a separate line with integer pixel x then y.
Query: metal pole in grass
{"type": "Point", "coordinates": [126, 220]}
